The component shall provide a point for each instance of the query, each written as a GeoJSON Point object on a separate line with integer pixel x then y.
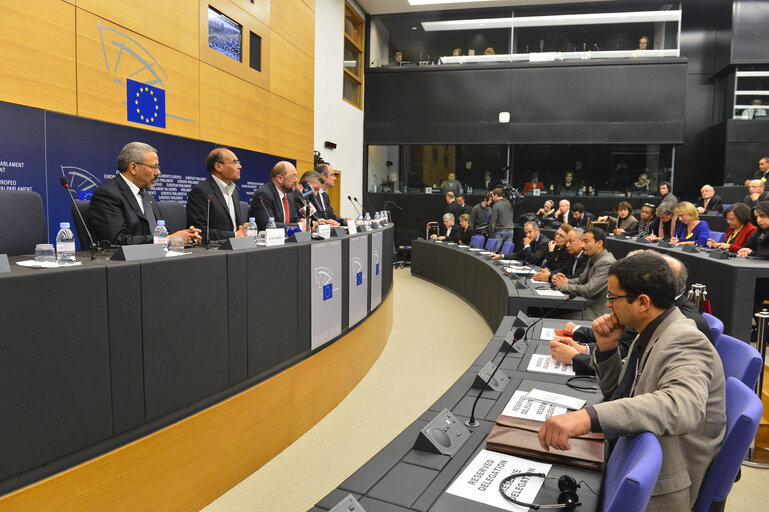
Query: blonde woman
{"type": "Point", "coordinates": [692, 230]}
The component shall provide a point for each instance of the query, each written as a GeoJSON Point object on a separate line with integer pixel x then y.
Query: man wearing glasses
{"type": "Point", "coordinates": [224, 216]}
{"type": "Point", "coordinates": [121, 211]}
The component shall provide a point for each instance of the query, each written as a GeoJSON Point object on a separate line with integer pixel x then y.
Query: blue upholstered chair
{"type": "Point", "coordinates": [743, 414]}
{"type": "Point", "coordinates": [507, 248]}
{"type": "Point", "coordinates": [717, 235]}
{"type": "Point", "coordinates": [491, 244]}
{"type": "Point", "coordinates": [175, 215]}
{"type": "Point", "coordinates": [740, 360]}
{"type": "Point", "coordinates": [22, 222]}
{"type": "Point", "coordinates": [631, 473]}
{"type": "Point", "coordinates": [716, 326]}
{"type": "Point", "coordinates": [477, 241]}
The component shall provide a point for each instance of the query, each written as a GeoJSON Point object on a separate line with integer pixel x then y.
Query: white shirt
{"type": "Point", "coordinates": [136, 192]}
{"type": "Point", "coordinates": [227, 191]}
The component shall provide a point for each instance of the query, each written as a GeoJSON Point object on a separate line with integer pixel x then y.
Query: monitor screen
{"type": "Point", "coordinates": [224, 35]}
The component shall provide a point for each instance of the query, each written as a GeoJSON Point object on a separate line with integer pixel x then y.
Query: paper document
{"type": "Point", "coordinates": [549, 293]}
{"type": "Point", "coordinates": [44, 264]}
{"type": "Point", "coordinates": [521, 407]}
{"type": "Point", "coordinates": [545, 364]}
{"type": "Point", "coordinates": [547, 334]}
{"type": "Point", "coordinates": [479, 481]}
{"type": "Point", "coordinates": [484, 253]}
{"type": "Point", "coordinates": [475, 249]}
{"type": "Point", "coordinates": [548, 397]}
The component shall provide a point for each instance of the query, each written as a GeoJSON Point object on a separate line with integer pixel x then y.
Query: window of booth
{"type": "Point", "coordinates": [352, 73]}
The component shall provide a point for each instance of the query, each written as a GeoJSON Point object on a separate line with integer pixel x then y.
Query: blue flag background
{"type": "Point", "coordinates": [145, 104]}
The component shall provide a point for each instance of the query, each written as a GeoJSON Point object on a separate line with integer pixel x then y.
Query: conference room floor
{"type": "Point", "coordinates": [435, 337]}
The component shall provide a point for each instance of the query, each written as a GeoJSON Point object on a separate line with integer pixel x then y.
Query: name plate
{"type": "Point", "coordinates": [238, 244]}
{"type": "Point", "coordinates": [324, 230]}
{"type": "Point", "coordinates": [139, 252]}
{"type": "Point", "coordinates": [4, 265]}
{"type": "Point", "coordinates": [274, 236]}
{"type": "Point", "coordinates": [351, 227]}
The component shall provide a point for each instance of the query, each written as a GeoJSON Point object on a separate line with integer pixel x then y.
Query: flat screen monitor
{"type": "Point", "coordinates": [225, 35]}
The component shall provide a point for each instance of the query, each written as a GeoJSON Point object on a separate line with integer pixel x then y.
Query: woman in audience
{"type": "Point", "coordinates": [692, 230]}
{"type": "Point", "coordinates": [557, 255]}
{"type": "Point", "coordinates": [740, 228]}
{"type": "Point", "coordinates": [467, 232]}
{"type": "Point", "coordinates": [624, 221]}
{"type": "Point", "coordinates": [666, 228]}
{"type": "Point", "coordinates": [568, 184]}
{"type": "Point", "coordinates": [758, 243]}
{"type": "Point", "coordinates": [648, 224]}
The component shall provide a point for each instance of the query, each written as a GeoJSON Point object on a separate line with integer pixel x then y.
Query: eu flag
{"type": "Point", "coordinates": [377, 269]}
{"type": "Point", "coordinates": [146, 104]}
{"type": "Point", "coordinates": [359, 279]}
{"type": "Point", "coordinates": [328, 291]}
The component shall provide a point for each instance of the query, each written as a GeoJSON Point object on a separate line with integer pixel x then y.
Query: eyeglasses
{"type": "Point", "coordinates": [234, 162]}
{"type": "Point", "coordinates": [611, 298]}
{"type": "Point", "coordinates": [155, 167]}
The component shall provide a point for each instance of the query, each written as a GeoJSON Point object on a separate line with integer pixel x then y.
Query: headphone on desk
{"type": "Point", "coordinates": [567, 500]}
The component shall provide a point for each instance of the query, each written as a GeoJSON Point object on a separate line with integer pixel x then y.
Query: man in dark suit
{"type": "Point", "coordinates": [534, 246]}
{"type": "Point", "coordinates": [563, 215]}
{"type": "Point", "coordinates": [328, 181]}
{"type": "Point", "coordinates": [225, 219]}
{"type": "Point", "coordinates": [452, 206]}
{"type": "Point", "coordinates": [276, 199]}
{"type": "Point", "coordinates": [480, 213]}
{"type": "Point", "coordinates": [121, 211]}
{"type": "Point", "coordinates": [450, 232]}
{"type": "Point", "coordinates": [709, 202]}
{"type": "Point", "coordinates": [756, 194]}
{"type": "Point", "coordinates": [579, 216]}
{"type": "Point", "coordinates": [465, 208]}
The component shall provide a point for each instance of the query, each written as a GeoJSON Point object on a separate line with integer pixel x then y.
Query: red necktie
{"type": "Point", "coordinates": [286, 211]}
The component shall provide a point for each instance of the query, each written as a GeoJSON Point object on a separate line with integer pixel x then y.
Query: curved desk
{"type": "Point", "coordinates": [190, 371]}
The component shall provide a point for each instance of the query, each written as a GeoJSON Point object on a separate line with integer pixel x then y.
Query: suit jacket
{"type": "Point", "coordinates": [714, 205]}
{"type": "Point", "coordinates": [679, 396]}
{"type": "Point", "coordinates": [534, 253]}
{"type": "Point", "coordinates": [115, 215]}
{"type": "Point", "coordinates": [592, 284]}
{"type": "Point", "coordinates": [752, 204]}
{"type": "Point", "coordinates": [556, 259]}
{"type": "Point", "coordinates": [582, 222]}
{"type": "Point", "coordinates": [559, 217]}
{"type": "Point", "coordinates": [455, 235]}
{"type": "Point", "coordinates": [745, 233]}
{"type": "Point", "coordinates": [467, 234]}
{"type": "Point", "coordinates": [327, 211]}
{"type": "Point", "coordinates": [273, 206]}
{"type": "Point", "coordinates": [220, 225]}
{"type": "Point", "coordinates": [455, 209]}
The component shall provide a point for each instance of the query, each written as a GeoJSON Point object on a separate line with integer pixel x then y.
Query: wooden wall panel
{"type": "Point", "coordinates": [295, 21]}
{"type": "Point", "coordinates": [101, 87]}
{"type": "Point", "coordinates": [173, 23]}
{"type": "Point", "coordinates": [293, 72]}
{"type": "Point", "coordinates": [291, 129]}
{"type": "Point", "coordinates": [303, 166]}
{"type": "Point", "coordinates": [310, 4]}
{"type": "Point", "coordinates": [259, 9]}
{"type": "Point", "coordinates": [37, 55]}
{"type": "Point", "coordinates": [232, 111]}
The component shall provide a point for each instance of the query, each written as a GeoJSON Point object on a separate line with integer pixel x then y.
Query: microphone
{"type": "Point", "coordinates": [349, 198]}
{"type": "Point", "coordinates": [65, 184]}
{"type": "Point", "coordinates": [261, 202]}
{"type": "Point", "coordinates": [361, 206]}
{"type": "Point", "coordinates": [208, 222]}
{"type": "Point", "coordinates": [472, 423]}
{"type": "Point", "coordinates": [571, 296]}
{"type": "Point", "coordinates": [366, 200]}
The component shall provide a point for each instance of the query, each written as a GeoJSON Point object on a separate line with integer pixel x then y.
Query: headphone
{"type": "Point", "coordinates": [567, 500]}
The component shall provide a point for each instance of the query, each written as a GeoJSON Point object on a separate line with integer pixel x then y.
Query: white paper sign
{"type": "Point", "coordinates": [557, 399]}
{"type": "Point", "coordinates": [324, 230]}
{"type": "Point", "coordinates": [521, 407]}
{"type": "Point", "coordinates": [545, 364]}
{"type": "Point", "coordinates": [274, 236]}
{"type": "Point", "coordinates": [475, 249]}
{"type": "Point", "coordinates": [351, 227]}
{"type": "Point", "coordinates": [547, 334]}
{"type": "Point", "coordinates": [549, 293]}
{"type": "Point", "coordinates": [45, 264]}
{"type": "Point", "coordinates": [521, 270]}
{"type": "Point", "coordinates": [479, 481]}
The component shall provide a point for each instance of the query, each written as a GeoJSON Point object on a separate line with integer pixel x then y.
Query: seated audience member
{"type": "Point", "coordinates": [398, 58]}
{"type": "Point", "coordinates": [501, 222]}
{"type": "Point", "coordinates": [642, 185]}
{"type": "Point", "coordinates": [556, 255]}
{"type": "Point", "coordinates": [590, 284]}
{"type": "Point", "coordinates": [579, 216]}
{"type": "Point", "coordinates": [624, 221]}
{"type": "Point", "coordinates": [451, 233]}
{"type": "Point", "coordinates": [568, 183]}
{"type": "Point", "coordinates": [276, 198]}
{"type": "Point", "coordinates": [763, 171]}
{"type": "Point", "coordinates": [740, 228]}
{"type": "Point", "coordinates": [463, 206]}
{"type": "Point", "coordinates": [224, 211]}
{"type": "Point", "coordinates": [709, 201]}
{"type": "Point", "coordinates": [758, 243]}
{"type": "Point", "coordinates": [666, 227]}
{"type": "Point", "coordinates": [489, 51]}
{"type": "Point", "coordinates": [487, 184]}
{"type": "Point", "coordinates": [533, 184]}
{"type": "Point", "coordinates": [671, 384]}
{"type": "Point", "coordinates": [648, 223]}
{"type": "Point", "coordinates": [467, 232]}
{"type": "Point", "coordinates": [452, 206]}
{"type": "Point", "coordinates": [451, 185]}
{"type": "Point", "coordinates": [577, 349]}
{"type": "Point", "coordinates": [563, 215]}
{"type": "Point", "coordinates": [643, 44]}
{"type": "Point", "coordinates": [479, 215]}
{"type": "Point", "coordinates": [754, 111]}
{"type": "Point", "coordinates": [534, 246]}
{"type": "Point", "coordinates": [457, 52]}
{"type": "Point", "coordinates": [756, 194]}
{"type": "Point", "coordinates": [546, 212]}
{"type": "Point", "coordinates": [667, 197]}
{"type": "Point", "coordinates": [121, 210]}
{"type": "Point", "coordinates": [575, 265]}
{"type": "Point", "coordinates": [692, 230]}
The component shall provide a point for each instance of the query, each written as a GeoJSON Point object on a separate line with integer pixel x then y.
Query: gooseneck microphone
{"type": "Point", "coordinates": [361, 206]}
{"type": "Point", "coordinates": [208, 222]}
{"type": "Point", "coordinates": [261, 202]}
{"type": "Point", "coordinates": [472, 423]}
{"type": "Point", "coordinates": [65, 183]}
{"type": "Point", "coordinates": [349, 198]}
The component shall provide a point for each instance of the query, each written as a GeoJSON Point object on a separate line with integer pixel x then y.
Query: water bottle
{"type": "Point", "coordinates": [160, 236]}
{"type": "Point", "coordinates": [359, 223]}
{"type": "Point", "coordinates": [271, 223]}
{"type": "Point", "coordinates": [251, 230]}
{"type": "Point", "coordinates": [368, 220]}
{"type": "Point", "coordinates": [65, 245]}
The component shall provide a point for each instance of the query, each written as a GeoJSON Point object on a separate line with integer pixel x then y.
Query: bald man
{"type": "Point", "coordinates": [756, 194]}
{"type": "Point", "coordinates": [275, 199]}
{"type": "Point", "coordinates": [709, 202]}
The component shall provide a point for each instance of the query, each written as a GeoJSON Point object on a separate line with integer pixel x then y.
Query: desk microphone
{"type": "Point", "coordinates": [361, 206]}
{"type": "Point", "coordinates": [472, 423]}
{"type": "Point", "coordinates": [94, 247]}
{"type": "Point", "coordinates": [349, 198]}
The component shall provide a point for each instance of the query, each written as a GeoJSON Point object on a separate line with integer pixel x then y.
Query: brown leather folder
{"type": "Point", "coordinates": [518, 436]}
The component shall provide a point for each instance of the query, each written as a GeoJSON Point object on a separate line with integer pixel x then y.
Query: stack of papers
{"type": "Point", "coordinates": [545, 364]}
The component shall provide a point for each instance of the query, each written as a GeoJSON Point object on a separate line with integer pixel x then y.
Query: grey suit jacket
{"type": "Point", "coordinates": [679, 396]}
{"type": "Point", "coordinates": [593, 284]}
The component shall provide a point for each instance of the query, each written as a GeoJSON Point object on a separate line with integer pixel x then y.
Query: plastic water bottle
{"type": "Point", "coordinates": [271, 223]}
{"type": "Point", "coordinates": [65, 245]}
{"type": "Point", "coordinates": [160, 236]}
{"type": "Point", "coordinates": [359, 222]}
{"type": "Point", "coordinates": [251, 230]}
{"type": "Point", "coordinates": [368, 220]}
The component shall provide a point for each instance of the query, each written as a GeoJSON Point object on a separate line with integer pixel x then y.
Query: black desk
{"type": "Point", "coordinates": [95, 356]}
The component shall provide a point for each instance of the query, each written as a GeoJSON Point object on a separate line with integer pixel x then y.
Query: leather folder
{"type": "Point", "coordinates": [518, 436]}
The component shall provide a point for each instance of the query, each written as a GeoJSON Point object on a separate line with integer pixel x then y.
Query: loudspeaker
{"type": "Point", "coordinates": [139, 252]}
{"type": "Point", "coordinates": [718, 255]}
{"type": "Point", "coordinates": [522, 320]}
{"type": "Point", "coordinates": [300, 237]}
{"type": "Point", "coordinates": [663, 243]}
{"type": "Point", "coordinates": [338, 231]}
{"type": "Point", "coordinates": [445, 434]}
{"type": "Point", "coordinates": [4, 265]}
{"type": "Point", "coordinates": [690, 248]}
{"type": "Point", "coordinates": [348, 504]}
{"type": "Point", "coordinates": [238, 244]}
{"type": "Point", "coordinates": [499, 381]}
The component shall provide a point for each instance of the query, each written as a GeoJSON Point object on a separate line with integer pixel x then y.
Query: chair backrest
{"type": "Point", "coordinates": [716, 326]}
{"type": "Point", "coordinates": [743, 415]}
{"type": "Point", "coordinates": [717, 235]}
{"type": "Point", "coordinates": [82, 235]}
{"type": "Point", "coordinates": [477, 241]}
{"type": "Point", "coordinates": [491, 244]}
{"type": "Point", "coordinates": [22, 222]}
{"type": "Point", "coordinates": [507, 248]}
{"type": "Point", "coordinates": [740, 360]}
{"type": "Point", "coordinates": [631, 473]}
{"type": "Point", "coordinates": [175, 215]}
{"type": "Point", "coordinates": [244, 206]}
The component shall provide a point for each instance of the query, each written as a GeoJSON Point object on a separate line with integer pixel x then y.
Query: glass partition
{"type": "Point", "coordinates": [751, 93]}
